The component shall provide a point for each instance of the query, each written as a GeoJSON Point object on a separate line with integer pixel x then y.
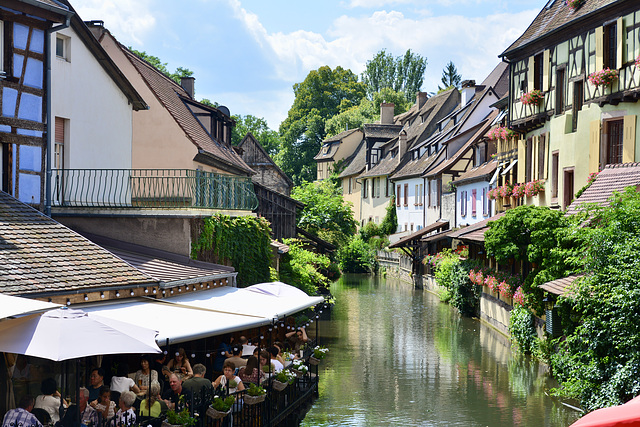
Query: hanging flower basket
{"type": "Point", "coordinates": [638, 61]}
{"type": "Point", "coordinates": [254, 400]}
{"type": "Point", "coordinates": [313, 361]}
{"type": "Point", "coordinates": [215, 414]}
{"type": "Point", "coordinates": [279, 386]}
{"type": "Point", "coordinates": [533, 188]}
{"type": "Point", "coordinates": [493, 194]}
{"type": "Point", "coordinates": [500, 132]}
{"type": "Point", "coordinates": [533, 97]}
{"type": "Point", "coordinates": [506, 190]}
{"type": "Point", "coordinates": [518, 191]}
{"type": "Point", "coordinates": [603, 77]}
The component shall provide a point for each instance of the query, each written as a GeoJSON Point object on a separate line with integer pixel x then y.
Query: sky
{"type": "Point", "coordinates": [248, 54]}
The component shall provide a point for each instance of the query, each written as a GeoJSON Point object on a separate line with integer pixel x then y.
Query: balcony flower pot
{"type": "Point", "coordinates": [279, 386]}
{"type": "Point", "coordinates": [254, 400]}
{"type": "Point", "coordinates": [533, 97]}
{"type": "Point", "coordinates": [215, 414]}
{"type": "Point", "coordinates": [603, 77]}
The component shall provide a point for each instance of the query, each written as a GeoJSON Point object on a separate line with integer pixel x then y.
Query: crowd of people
{"type": "Point", "coordinates": [154, 388]}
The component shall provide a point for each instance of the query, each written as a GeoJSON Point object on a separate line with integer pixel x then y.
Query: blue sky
{"type": "Point", "coordinates": [247, 54]}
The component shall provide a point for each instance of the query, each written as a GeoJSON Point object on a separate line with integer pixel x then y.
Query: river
{"type": "Point", "coordinates": [400, 357]}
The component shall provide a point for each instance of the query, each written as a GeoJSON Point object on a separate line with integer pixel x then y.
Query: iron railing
{"type": "Point", "coordinates": [151, 188]}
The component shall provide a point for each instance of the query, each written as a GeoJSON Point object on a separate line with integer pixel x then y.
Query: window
{"type": "Point", "coordinates": [434, 193]}
{"type": "Point", "coordinates": [398, 194]}
{"type": "Point", "coordinates": [481, 154]}
{"type": "Point", "coordinates": [364, 188]}
{"type": "Point", "coordinates": [415, 197]}
{"type": "Point", "coordinates": [386, 187]}
{"type": "Point", "coordinates": [406, 194]}
{"type": "Point", "coordinates": [374, 157]}
{"type": "Point", "coordinates": [376, 186]}
{"type": "Point", "coordinates": [555, 163]}
{"type": "Point", "coordinates": [62, 47]}
{"type": "Point", "coordinates": [568, 188]}
{"type": "Point", "coordinates": [578, 96]}
{"type": "Point", "coordinates": [538, 71]}
{"type": "Point", "coordinates": [485, 202]}
{"type": "Point", "coordinates": [59, 137]}
{"type": "Point", "coordinates": [421, 195]}
{"type": "Point", "coordinates": [474, 198]}
{"type": "Point", "coordinates": [610, 46]}
{"type": "Point", "coordinates": [463, 203]}
{"type": "Point", "coordinates": [528, 164]}
{"type": "Point", "coordinates": [560, 91]}
{"type": "Point", "coordinates": [1, 48]}
{"type": "Point", "coordinates": [320, 170]}
{"type": "Point", "coordinates": [614, 141]}
{"type": "Point", "coordinates": [350, 184]}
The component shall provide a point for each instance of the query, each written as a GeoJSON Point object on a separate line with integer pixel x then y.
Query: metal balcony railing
{"type": "Point", "coordinates": [151, 188]}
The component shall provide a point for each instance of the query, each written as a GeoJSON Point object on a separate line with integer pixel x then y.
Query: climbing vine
{"type": "Point", "coordinates": [243, 242]}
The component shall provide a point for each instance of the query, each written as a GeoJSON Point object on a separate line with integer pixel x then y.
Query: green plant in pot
{"type": "Point", "coordinates": [182, 418]}
{"type": "Point", "coordinates": [223, 404]}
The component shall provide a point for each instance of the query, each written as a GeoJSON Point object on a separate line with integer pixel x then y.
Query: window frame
{"type": "Point", "coordinates": [560, 90]}
{"type": "Point", "coordinates": [610, 46]}
{"type": "Point", "coordinates": [474, 202]}
{"type": "Point", "coordinates": [406, 195]}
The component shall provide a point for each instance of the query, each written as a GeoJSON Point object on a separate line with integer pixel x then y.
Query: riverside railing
{"type": "Point", "coordinates": [151, 188]}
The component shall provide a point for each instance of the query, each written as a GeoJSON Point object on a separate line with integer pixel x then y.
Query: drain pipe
{"type": "Point", "coordinates": [48, 92]}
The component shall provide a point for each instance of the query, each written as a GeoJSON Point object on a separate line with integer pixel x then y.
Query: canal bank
{"type": "Point", "coordinates": [401, 357]}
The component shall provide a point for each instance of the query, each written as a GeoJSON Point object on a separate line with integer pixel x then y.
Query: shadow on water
{"type": "Point", "coordinates": [400, 357]}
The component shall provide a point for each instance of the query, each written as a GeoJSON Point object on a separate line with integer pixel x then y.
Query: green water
{"type": "Point", "coordinates": [400, 357]}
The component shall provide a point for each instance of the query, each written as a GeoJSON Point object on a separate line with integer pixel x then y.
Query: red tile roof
{"type": "Point", "coordinates": [39, 255]}
{"type": "Point", "coordinates": [612, 178]}
{"type": "Point", "coordinates": [171, 95]}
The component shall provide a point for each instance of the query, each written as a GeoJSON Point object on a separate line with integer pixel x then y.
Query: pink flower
{"type": "Point", "coordinates": [603, 77]}
{"type": "Point", "coordinates": [532, 97]}
{"type": "Point", "coordinates": [519, 297]}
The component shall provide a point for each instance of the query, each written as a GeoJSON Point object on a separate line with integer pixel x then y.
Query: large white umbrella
{"type": "Point", "coordinates": [13, 306]}
{"type": "Point", "coordinates": [65, 333]}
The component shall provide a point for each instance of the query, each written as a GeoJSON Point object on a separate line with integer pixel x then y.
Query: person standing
{"type": "Point", "coordinates": [22, 416]}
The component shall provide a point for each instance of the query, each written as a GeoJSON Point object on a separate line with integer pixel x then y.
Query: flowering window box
{"type": "Point", "coordinates": [532, 97]}
{"type": "Point", "coordinates": [603, 77]}
{"type": "Point", "coordinates": [574, 4]}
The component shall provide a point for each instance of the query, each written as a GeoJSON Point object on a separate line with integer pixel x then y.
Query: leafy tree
{"type": "Point", "coordinates": [162, 66]}
{"type": "Point", "coordinates": [599, 362]}
{"type": "Point", "coordinates": [389, 224]}
{"type": "Point", "coordinates": [366, 112]}
{"type": "Point", "coordinates": [450, 77]}
{"type": "Point", "coordinates": [325, 214]}
{"type": "Point", "coordinates": [268, 138]}
{"type": "Point", "coordinates": [452, 273]}
{"type": "Point", "coordinates": [402, 74]}
{"type": "Point", "coordinates": [322, 94]}
{"type": "Point", "coordinates": [357, 257]}
{"type": "Point", "coordinates": [303, 268]}
{"type": "Point", "coordinates": [208, 102]}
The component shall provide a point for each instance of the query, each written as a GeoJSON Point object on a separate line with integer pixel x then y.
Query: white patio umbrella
{"type": "Point", "coordinates": [13, 306]}
{"type": "Point", "coordinates": [64, 333]}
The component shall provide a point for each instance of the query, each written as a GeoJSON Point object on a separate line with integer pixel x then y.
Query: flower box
{"type": "Point", "coordinates": [254, 400]}
{"type": "Point", "coordinates": [574, 4]}
{"type": "Point", "coordinates": [313, 360]}
{"type": "Point", "coordinates": [215, 414]}
{"type": "Point", "coordinates": [533, 97]}
{"type": "Point", "coordinates": [603, 77]}
{"type": "Point", "coordinates": [500, 132]}
{"type": "Point", "coordinates": [279, 386]}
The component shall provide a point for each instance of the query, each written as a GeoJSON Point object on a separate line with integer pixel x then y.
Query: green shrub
{"type": "Point", "coordinates": [303, 268]}
{"type": "Point", "coordinates": [356, 257]}
{"type": "Point", "coordinates": [522, 330]}
{"type": "Point", "coordinates": [452, 273]}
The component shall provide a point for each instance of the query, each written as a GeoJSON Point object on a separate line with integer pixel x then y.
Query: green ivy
{"type": "Point", "coordinates": [522, 329]}
{"type": "Point", "coordinates": [244, 242]}
{"type": "Point", "coordinates": [303, 269]}
{"type": "Point", "coordinates": [452, 274]}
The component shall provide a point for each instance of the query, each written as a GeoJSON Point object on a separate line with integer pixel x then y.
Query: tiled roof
{"type": "Point", "coordinates": [357, 163]}
{"type": "Point", "coordinates": [612, 178]}
{"type": "Point", "coordinates": [39, 255]}
{"type": "Point", "coordinates": [554, 17]}
{"type": "Point", "coordinates": [413, 168]}
{"type": "Point", "coordinates": [171, 95]}
{"type": "Point", "coordinates": [560, 286]}
{"type": "Point", "coordinates": [475, 232]}
{"type": "Point", "coordinates": [168, 268]}
{"type": "Point", "coordinates": [498, 79]}
{"type": "Point", "coordinates": [386, 166]}
{"type": "Point", "coordinates": [341, 135]}
{"type": "Point", "coordinates": [478, 173]}
{"type": "Point", "coordinates": [377, 130]}
{"type": "Point", "coordinates": [416, 236]}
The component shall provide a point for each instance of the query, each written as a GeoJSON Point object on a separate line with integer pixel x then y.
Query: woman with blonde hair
{"type": "Point", "coordinates": [153, 405]}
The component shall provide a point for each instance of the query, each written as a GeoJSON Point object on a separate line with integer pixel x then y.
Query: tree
{"type": "Point", "coordinates": [322, 94]}
{"type": "Point", "coordinates": [325, 214]}
{"type": "Point", "coordinates": [162, 66]}
{"type": "Point", "coordinates": [366, 112]}
{"type": "Point", "coordinates": [402, 74]}
{"type": "Point", "coordinates": [450, 78]}
{"type": "Point", "coordinates": [268, 138]}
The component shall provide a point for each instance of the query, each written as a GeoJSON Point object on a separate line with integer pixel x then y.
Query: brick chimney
{"type": "Point", "coordinates": [468, 90]}
{"type": "Point", "coordinates": [421, 98]}
{"type": "Point", "coordinates": [402, 144]}
{"type": "Point", "coordinates": [386, 113]}
{"type": "Point", "coordinates": [189, 85]}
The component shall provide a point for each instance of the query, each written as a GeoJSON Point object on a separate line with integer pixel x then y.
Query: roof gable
{"type": "Point", "coordinates": [260, 156]}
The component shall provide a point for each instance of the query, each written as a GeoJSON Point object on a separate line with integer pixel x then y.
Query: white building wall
{"type": "Point", "coordinates": [99, 130]}
{"type": "Point", "coordinates": [480, 215]}
{"type": "Point", "coordinates": [413, 212]}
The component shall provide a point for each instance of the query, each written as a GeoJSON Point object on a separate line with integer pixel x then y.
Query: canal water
{"type": "Point", "coordinates": [400, 357]}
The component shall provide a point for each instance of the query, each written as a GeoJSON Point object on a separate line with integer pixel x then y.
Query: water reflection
{"type": "Point", "coordinates": [400, 357]}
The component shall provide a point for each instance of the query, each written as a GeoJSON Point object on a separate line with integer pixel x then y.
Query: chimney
{"type": "Point", "coordinates": [468, 90]}
{"type": "Point", "coordinates": [386, 113]}
{"type": "Point", "coordinates": [421, 98]}
{"type": "Point", "coordinates": [189, 85]}
{"type": "Point", "coordinates": [402, 144]}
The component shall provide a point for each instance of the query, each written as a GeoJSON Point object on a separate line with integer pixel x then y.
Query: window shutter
{"type": "Point", "coordinates": [530, 73]}
{"type": "Point", "coordinates": [59, 131]}
{"type": "Point", "coordinates": [474, 200]}
{"type": "Point", "coordinates": [545, 70]}
{"type": "Point", "coordinates": [522, 154]}
{"type": "Point", "coordinates": [545, 147]}
{"type": "Point", "coordinates": [594, 146]}
{"type": "Point", "coordinates": [620, 39]}
{"type": "Point", "coordinates": [406, 194]}
{"type": "Point", "coordinates": [398, 195]}
{"type": "Point", "coordinates": [599, 48]}
{"type": "Point", "coordinates": [629, 140]}
{"type": "Point", "coordinates": [535, 158]}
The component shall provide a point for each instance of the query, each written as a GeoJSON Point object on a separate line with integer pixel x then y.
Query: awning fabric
{"type": "Point", "coordinates": [14, 306]}
{"type": "Point", "coordinates": [212, 312]}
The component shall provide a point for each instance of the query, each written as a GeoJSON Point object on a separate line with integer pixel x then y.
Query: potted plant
{"type": "Point", "coordinates": [533, 188]}
{"type": "Point", "coordinates": [182, 418]}
{"type": "Point", "coordinates": [518, 191]}
{"type": "Point", "coordinates": [255, 394]}
{"type": "Point", "coordinates": [506, 190]}
{"type": "Point", "coordinates": [220, 407]}
{"type": "Point", "coordinates": [283, 379]}
{"type": "Point", "coordinates": [299, 368]}
{"type": "Point", "coordinates": [533, 97]}
{"type": "Point", "coordinates": [603, 77]}
{"type": "Point", "coordinates": [319, 353]}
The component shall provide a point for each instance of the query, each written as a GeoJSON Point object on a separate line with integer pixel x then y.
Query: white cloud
{"type": "Point", "coordinates": [129, 20]}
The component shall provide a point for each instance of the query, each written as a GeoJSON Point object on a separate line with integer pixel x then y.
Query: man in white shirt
{"type": "Point", "coordinates": [273, 352]}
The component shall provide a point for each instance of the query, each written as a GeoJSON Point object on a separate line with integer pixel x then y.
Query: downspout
{"type": "Point", "coordinates": [47, 55]}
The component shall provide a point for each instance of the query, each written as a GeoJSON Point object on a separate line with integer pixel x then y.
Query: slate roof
{"type": "Point", "coordinates": [612, 178]}
{"type": "Point", "coordinates": [171, 95]}
{"type": "Point", "coordinates": [377, 130]}
{"type": "Point", "coordinates": [554, 18]}
{"type": "Point", "coordinates": [413, 168]}
{"type": "Point", "coordinates": [560, 286]}
{"type": "Point", "coordinates": [40, 256]}
{"type": "Point", "coordinates": [357, 163]}
{"type": "Point", "coordinates": [478, 173]}
{"type": "Point", "coordinates": [249, 137]}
